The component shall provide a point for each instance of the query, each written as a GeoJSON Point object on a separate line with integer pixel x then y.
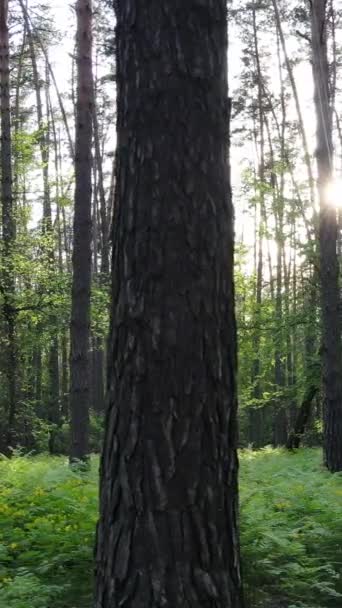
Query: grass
{"type": "Point", "coordinates": [291, 532]}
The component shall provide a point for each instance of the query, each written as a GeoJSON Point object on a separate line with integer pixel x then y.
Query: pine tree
{"type": "Point", "coordinates": [81, 258]}
{"type": "Point", "coordinates": [168, 532]}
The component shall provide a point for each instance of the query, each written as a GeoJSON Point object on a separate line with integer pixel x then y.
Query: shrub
{"type": "Point", "coordinates": [48, 516]}
{"type": "Point", "coordinates": [291, 531]}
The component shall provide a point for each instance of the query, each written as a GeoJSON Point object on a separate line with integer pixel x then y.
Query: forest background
{"type": "Point", "coordinates": [273, 173]}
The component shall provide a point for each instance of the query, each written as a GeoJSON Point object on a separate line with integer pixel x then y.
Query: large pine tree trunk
{"type": "Point", "coordinates": [167, 533]}
{"type": "Point", "coordinates": [81, 259]}
{"type": "Point", "coordinates": [329, 269]}
{"type": "Point", "coordinates": [7, 282]}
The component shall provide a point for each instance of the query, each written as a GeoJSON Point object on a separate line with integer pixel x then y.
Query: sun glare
{"type": "Point", "coordinates": [334, 192]}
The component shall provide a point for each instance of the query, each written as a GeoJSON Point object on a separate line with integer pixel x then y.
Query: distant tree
{"type": "Point", "coordinates": [7, 280]}
{"type": "Point", "coordinates": [167, 533]}
{"type": "Point", "coordinates": [81, 257]}
{"type": "Point", "coordinates": [329, 265]}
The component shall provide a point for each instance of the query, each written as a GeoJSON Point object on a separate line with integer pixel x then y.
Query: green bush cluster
{"type": "Point", "coordinates": [48, 515]}
{"type": "Point", "coordinates": [291, 531]}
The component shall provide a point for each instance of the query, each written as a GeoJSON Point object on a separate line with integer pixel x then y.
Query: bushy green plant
{"type": "Point", "coordinates": [291, 531]}
{"type": "Point", "coordinates": [47, 524]}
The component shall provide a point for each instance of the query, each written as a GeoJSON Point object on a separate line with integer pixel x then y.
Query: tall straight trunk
{"type": "Point", "coordinates": [81, 258]}
{"type": "Point", "coordinates": [311, 367]}
{"type": "Point", "coordinates": [330, 296]}
{"type": "Point", "coordinates": [28, 22]}
{"type": "Point", "coordinates": [97, 354]}
{"type": "Point", "coordinates": [17, 119]}
{"type": "Point", "coordinates": [8, 228]}
{"type": "Point", "coordinates": [302, 131]}
{"type": "Point", "coordinates": [280, 422]}
{"type": "Point", "coordinates": [103, 203]}
{"type": "Point", "coordinates": [43, 143]}
{"type": "Point", "coordinates": [98, 394]}
{"type": "Point", "coordinates": [167, 533]}
{"type": "Point", "coordinates": [64, 376]}
{"type": "Point", "coordinates": [53, 395]}
{"type": "Point", "coordinates": [64, 227]}
{"type": "Point", "coordinates": [256, 413]}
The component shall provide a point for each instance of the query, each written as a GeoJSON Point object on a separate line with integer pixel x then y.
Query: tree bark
{"type": "Point", "coordinates": [81, 259]}
{"type": "Point", "coordinates": [302, 419]}
{"type": "Point", "coordinates": [329, 269]}
{"type": "Point", "coordinates": [8, 227]}
{"type": "Point", "coordinates": [167, 533]}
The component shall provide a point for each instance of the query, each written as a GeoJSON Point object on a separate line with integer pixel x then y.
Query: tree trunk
{"type": "Point", "coordinates": [54, 417]}
{"type": "Point", "coordinates": [8, 228]}
{"type": "Point", "coordinates": [296, 100]}
{"type": "Point", "coordinates": [28, 22]}
{"type": "Point", "coordinates": [64, 377]}
{"type": "Point", "coordinates": [167, 533]}
{"type": "Point", "coordinates": [42, 129]}
{"type": "Point", "coordinates": [81, 259]}
{"type": "Point", "coordinates": [256, 413]}
{"type": "Point", "coordinates": [302, 419]}
{"type": "Point", "coordinates": [103, 203]}
{"type": "Point", "coordinates": [329, 269]}
{"type": "Point", "coordinates": [98, 394]}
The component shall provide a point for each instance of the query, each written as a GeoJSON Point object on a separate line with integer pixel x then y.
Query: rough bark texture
{"type": "Point", "coordinates": [8, 228]}
{"type": "Point", "coordinates": [329, 270]}
{"type": "Point", "coordinates": [80, 312]}
{"type": "Point", "coordinates": [167, 534]}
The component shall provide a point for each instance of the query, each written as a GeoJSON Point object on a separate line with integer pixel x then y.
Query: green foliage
{"type": "Point", "coordinates": [47, 523]}
{"type": "Point", "coordinates": [291, 531]}
{"type": "Point", "coordinates": [95, 435]}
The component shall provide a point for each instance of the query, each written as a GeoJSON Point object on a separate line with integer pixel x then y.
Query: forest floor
{"type": "Point", "coordinates": [291, 531]}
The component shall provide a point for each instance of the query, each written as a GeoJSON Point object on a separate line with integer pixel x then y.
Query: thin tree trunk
{"type": "Point", "coordinates": [28, 22]}
{"type": "Point", "coordinates": [280, 422]}
{"type": "Point", "coordinates": [103, 203]}
{"type": "Point", "coordinates": [98, 366]}
{"type": "Point", "coordinates": [297, 103]}
{"type": "Point", "coordinates": [53, 393]}
{"type": "Point", "coordinates": [8, 229]}
{"type": "Point", "coordinates": [42, 126]}
{"type": "Point", "coordinates": [81, 259]}
{"type": "Point", "coordinates": [167, 533]}
{"type": "Point", "coordinates": [256, 413]}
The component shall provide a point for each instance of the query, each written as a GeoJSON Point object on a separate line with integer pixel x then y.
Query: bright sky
{"type": "Point", "coordinates": [60, 57]}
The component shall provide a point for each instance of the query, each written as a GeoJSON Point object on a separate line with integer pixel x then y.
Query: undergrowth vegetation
{"type": "Point", "coordinates": [291, 532]}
